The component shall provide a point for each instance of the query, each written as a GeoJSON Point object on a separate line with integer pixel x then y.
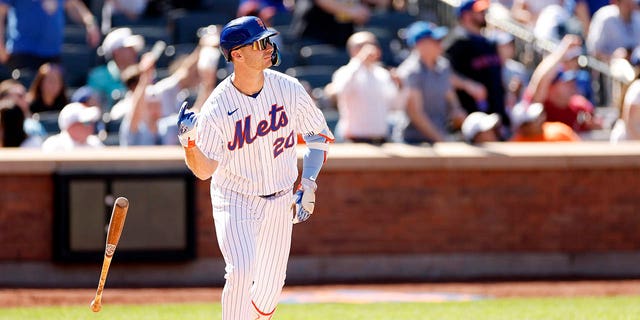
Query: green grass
{"type": "Point", "coordinates": [600, 308]}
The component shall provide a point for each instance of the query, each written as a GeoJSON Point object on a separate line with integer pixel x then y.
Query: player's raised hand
{"type": "Point", "coordinates": [186, 126]}
{"type": "Point", "coordinates": [305, 200]}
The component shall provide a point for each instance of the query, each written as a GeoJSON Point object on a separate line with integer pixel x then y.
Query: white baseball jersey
{"type": "Point", "coordinates": [254, 138]}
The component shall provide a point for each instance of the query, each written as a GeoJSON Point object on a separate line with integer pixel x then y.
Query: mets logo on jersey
{"type": "Point", "coordinates": [244, 134]}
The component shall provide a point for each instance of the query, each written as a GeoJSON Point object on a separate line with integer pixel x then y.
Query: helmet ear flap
{"type": "Point", "coordinates": [275, 56]}
{"type": "Point", "coordinates": [226, 54]}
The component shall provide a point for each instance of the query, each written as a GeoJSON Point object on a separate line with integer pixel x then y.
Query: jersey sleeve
{"type": "Point", "coordinates": [309, 118]}
{"type": "Point", "coordinates": [209, 138]}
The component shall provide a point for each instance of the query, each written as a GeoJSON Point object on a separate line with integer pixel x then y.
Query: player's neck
{"type": "Point", "coordinates": [248, 82]}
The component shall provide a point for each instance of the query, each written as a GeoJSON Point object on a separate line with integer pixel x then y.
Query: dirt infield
{"type": "Point", "coordinates": [44, 297]}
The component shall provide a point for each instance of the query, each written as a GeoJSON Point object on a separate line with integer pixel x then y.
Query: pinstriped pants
{"type": "Point", "coordinates": [254, 236]}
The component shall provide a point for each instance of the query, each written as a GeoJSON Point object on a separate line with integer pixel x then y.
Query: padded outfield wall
{"type": "Point", "coordinates": [390, 213]}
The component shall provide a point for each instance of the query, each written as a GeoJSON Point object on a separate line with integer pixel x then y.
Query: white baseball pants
{"type": "Point", "coordinates": [254, 236]}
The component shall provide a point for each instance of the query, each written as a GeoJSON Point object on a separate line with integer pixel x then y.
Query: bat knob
{"type": "Point", "coordinates": [122, 202]}
{"type": "Point", "coordinates": [96, 306]}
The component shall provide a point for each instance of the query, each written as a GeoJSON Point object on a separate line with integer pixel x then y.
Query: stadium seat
{"type": "Point", "coordinates": [391, 20]}
{"type": "Point", "coordinates": [227, 7]}
{"type": "Point", "coordinates": [323, 54]}
{"type": "Point", "coordinates": [287, 60]}
{"type": "Point", "coordinates": [151, 33]}
{"type": "Point", "coordinates": [317, 76]}
{"type": "Point", "coordinates": [75, 34]}
{"type": "Point", "coordinates": [282, 18]}
{"type": "Point", "coordinates": [184, 25]}
{"type": "Point", "coordinates": [175, 51]}
{"type": "Point", "coordinates": [77, 60]}
{"type": "Point", "coordinates": [122, 21]}
{"type": "Point", "coordinates": [49, 120]}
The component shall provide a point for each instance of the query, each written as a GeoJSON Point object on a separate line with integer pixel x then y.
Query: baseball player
{"type": "Point", "coordinates": [244, 139]}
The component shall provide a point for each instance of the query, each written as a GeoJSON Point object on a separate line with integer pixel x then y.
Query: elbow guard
{"type": "Point", "coordinates": [316, 156]}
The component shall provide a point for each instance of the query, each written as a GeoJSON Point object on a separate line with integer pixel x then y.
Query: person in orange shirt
{"type": "Point", "coordinates": [530, 125]}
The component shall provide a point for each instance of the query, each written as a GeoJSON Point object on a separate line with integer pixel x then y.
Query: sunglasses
{"type": "Point", "coordinates": [261, 44]}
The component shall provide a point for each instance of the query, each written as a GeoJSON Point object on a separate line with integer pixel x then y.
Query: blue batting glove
{"type": "Point", "coordinates": [186, 127]}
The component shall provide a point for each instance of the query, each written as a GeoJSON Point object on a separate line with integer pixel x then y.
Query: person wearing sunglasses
{"type": "Point", "coordinates": [244, 139]}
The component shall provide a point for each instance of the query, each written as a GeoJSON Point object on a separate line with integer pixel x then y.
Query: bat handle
{"type": "Point", "coordinates": [96, 304]}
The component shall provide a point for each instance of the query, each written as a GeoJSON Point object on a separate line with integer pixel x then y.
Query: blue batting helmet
{"type": "Point", "coordinates": [243, 31]}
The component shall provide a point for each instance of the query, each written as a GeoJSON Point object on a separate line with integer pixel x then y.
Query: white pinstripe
{"type": "Point", "coordinates": [254, 233]}
{"type": "Point", "coordinates": [253, 168]}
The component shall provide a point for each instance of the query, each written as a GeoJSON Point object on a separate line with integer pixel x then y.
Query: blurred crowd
{"type": "Point", "coordinates": [380, 70]}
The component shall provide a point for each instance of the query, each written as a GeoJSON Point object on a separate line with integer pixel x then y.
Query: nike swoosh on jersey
{"type": "Point", "coordinates": [232, 112]}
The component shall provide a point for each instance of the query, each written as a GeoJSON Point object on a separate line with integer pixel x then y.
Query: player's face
{"type": "Point", "coordinates": [258, 53]}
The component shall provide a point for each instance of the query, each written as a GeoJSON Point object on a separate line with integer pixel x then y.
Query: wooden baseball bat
{"type": "Point", "coordinates": [118, 215]}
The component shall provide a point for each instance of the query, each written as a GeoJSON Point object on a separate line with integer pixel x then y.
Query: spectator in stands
{"type": "Point", "coordinates": [555, 21]}
{"type": "Point", "coordinates": [515, 75]}
{"type": "Point", "coordinates": [48, 92]}
{"type": "Point", "coordinates": [147, 102]}
{"type": "Point", "coordinates": [591, 6]}
{"type": "Point", "coordinates": [365, 91]}
{"type": "Point", "coordinates": [530, 125]}
{"type": "Point", "coordinates": [527, 11]}
{"type": "Point", "coordinates": [265, 9]}
{"type": "Point", "coordinates": [627, 127]}
{"type": "Point", "coordinates": [36, 31]}
{"type": "Point", "coordinates": [119, 12]}
{"type": "Point", "coordinates": [140, 124]}
{"type": "Point", "coordinates": [15, 91]}
{"type": "Point", "coordinates": [208, 61]}
{"type": "Point", "coordinates": [12, 133]}
{"type": "Point", "coordinates": [77, 125]}
{"type": "Point", "coordinates": [570, 62]}
{"type": "Point", "coordinates": [328, 21]}
{"type": "Point", "coordinates": [479, 127]}
{"type": "Point", "coordinates": [556, 89]}
{"type": "Point", "coordinates": [120, 47]}
{"type": "Point", "coordinates": [432, 106]}
{"type": "Point", "coordinates": [584, 11]}
{"type": "Point", "coordinates": [475, 61]}
{"type": "Point", "coordinates": [85, 95]}
{"type": "Point", "coordinates": [88, 97]}
{"type": "Point", "coordinates": [612, 27]}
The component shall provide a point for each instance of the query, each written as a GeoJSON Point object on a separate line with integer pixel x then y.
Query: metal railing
{"type": "Point", "coordinates": [608, 86]}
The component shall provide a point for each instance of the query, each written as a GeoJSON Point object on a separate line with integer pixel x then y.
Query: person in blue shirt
{"type": "Point", "coordinates": [34, 30]}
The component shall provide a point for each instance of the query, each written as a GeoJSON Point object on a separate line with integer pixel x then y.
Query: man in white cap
{"type": "Point", "coordinates": [479, 127]}
{"type": "Point", "coordinates": [120, 48]}
{"type": "Point", "coordinates": [77, 125]}
{"type": "Point", "coordinates": [530, 125]}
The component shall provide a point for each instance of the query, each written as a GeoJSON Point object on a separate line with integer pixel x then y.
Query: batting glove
{"type": "Point", "coordinates": [186, 127]}
{"type": "Point", "coordinates": [305, 200]}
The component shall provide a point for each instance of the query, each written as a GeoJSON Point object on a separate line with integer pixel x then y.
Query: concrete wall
{"type": "Point", "coordinates": [390, 213]}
